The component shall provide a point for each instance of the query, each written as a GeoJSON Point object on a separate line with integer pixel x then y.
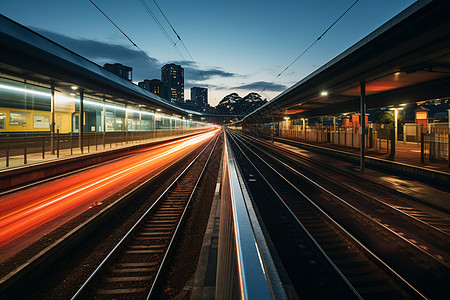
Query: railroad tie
{"type": "Point", "coordinates": [157, 234]}
{"type": "Point", "coordinates": [140, 267]}
{"type": "Point", "coordinates": [119, 291]}
{"type": "Point", "coordinates": [150, 238]}
{"type": "Point", "coordinates": [159, 230]}
{"type": "Point", "coordinates": [127, 278]}
{"type": "Point", "coordinates": [148, 251]}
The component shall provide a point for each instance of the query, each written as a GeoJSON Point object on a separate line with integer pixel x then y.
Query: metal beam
{"type": "Point", "coordinates": [363, 125]}
{"type": "Point", "coordinates": [81, 122]}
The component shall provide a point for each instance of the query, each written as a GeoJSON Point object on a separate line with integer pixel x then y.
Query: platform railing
{"type": "Point", "coordinates": [244, 268]}
{"type": "Point", "coordinates": [18, 149]}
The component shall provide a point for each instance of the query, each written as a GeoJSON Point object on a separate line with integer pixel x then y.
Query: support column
{"type": "Point", "coordinates": [52, 120]}
{"type": "Point", "coordinates": [395, 125]}
{"type": "Point", "coordinates": [81, 124]}
{"type": "Point", "coordinates": [334, 130]}
{"type": "Point", "coordinates": [363, 125]}
{"type": "Point", "coordinates": [126, 124]}
{"type": "Point", "coordinates": [154, 124]}
{"type": "Point", "coordinates": [104, 122]}
{"type": "Point", "coordinates": [140, 119]}
{"type": "Point", "coordinates": [273, 128]}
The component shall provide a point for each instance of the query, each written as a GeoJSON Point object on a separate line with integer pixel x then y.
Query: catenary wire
{"type": "Point", "coordinates": [179, 38]}
{"type": "Point", "coordinates": [309, 47]}
{"type": "Point", "coordinates": [158, 23]}
{"type": "Point", "coordinates": [134, 44]}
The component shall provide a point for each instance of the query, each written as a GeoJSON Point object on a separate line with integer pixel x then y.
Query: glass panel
{"type": "Point", "coordinates": [67, 112]}
{"type": "Point", "coordinates": [19, 103]}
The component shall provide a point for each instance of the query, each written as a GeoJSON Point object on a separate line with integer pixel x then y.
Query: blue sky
{"type": "Point", "coordinates": [239, 46]}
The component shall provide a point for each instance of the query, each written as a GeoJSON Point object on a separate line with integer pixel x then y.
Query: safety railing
{"type": "Point", "coordinates": [23, 148]}
{"type": "Point", "coordinates": [244, 269]}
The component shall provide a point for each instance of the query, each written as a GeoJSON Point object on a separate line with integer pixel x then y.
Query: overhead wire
{"type": "Point", "coordinates": [131, 41]}
{"type": "Point", "coordinates": [158, 23]}
{"type": "Point", "coordinates": [309, 47]}
{"type": "Point", "coordinates": [174, 44]}
{"type": "Point", "coordinates": [179, 38]}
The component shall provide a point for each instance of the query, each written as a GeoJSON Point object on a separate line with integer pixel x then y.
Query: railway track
{"type": "Point", "coordinates": [346, 234]}
{"type": "Point", "coordinates": [133, 269]}
{"type": "Point", "coordinates": [423, 226]}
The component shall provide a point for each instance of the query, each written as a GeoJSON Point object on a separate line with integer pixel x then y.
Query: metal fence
{"type": "Point", "coordinates": [435, 147]}
{"type": "Point", "coordinates": [379, 137]}
{"type": "Point", "coordinates": [21, 148]}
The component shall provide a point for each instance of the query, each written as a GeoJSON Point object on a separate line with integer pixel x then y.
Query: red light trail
{"type": "Point", "coordinates": [26, 215]}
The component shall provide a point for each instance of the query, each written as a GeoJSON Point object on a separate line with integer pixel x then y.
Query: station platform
{"type": "Point", "coordinates": [37, 157]}
{"type": "Point", "coordinates": [407, 153]}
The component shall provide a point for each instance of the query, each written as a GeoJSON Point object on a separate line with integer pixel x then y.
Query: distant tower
{"type": "Point", "coordinates": [155, 86]}
{"type": "Point", "coordinates": [172, 76]}
{"type": "Point", "coordinates": [199, 97]}
{"type": "Point", "coordinates": [120, 70]}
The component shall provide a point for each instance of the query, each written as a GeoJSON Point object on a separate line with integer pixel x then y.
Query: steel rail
{"type": "Point", "coordinates": [342, 229]}
{"type": "Point", "coordinates": [333, 265]}
{"type": "Point", "coordinates": [389, 189]}
{"type": "Point", "coordinates": [437, 232]}
{"type": "Point", "coordinates": [83, 289]}
{"type": "Point", "coordinates": [172, 241]}
{"type": "Point", "coordinates": [365, 215]}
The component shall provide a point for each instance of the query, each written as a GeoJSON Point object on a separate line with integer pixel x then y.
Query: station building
{"type": "Point", "coordinates": [46, 88]}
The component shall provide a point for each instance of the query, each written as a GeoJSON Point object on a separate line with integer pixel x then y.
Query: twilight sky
{"type": "Point", "coordinates": [239, 45]}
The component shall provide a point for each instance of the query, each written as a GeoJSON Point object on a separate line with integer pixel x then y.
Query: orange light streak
{"type": "Point", "coordinates": [28, 214]}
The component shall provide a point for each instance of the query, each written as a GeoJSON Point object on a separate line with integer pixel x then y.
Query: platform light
{"type": "Point", "coordinates": [18, 89]}
{"type": "Point", "coordinates": [286, 118]}
{"type": "Point", "coordinates": [324, 93]}
{"type": "Point", "coordinates": [403, 104]}
{"type": "Point", "coordinates": [74, 87]}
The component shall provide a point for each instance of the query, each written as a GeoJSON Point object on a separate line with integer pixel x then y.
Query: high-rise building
{"type": "Point", "coordinates": [172, 76]}
{"type": "Point", "coordinates": [155, 86]}
{"type": "Point", "coordinates": [120, 70]}
{"type": "Point", "coordinates": [199, 97]}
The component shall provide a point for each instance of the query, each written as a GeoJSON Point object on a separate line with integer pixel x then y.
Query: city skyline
{"type": "Point", "coordinates": [237, 46]}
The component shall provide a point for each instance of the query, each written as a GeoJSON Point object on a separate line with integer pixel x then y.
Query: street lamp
{"type": "Point", "coordinates": [396, 109]}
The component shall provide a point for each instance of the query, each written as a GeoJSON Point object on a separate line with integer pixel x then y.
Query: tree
{"type": "Point", "coordinates": [383, 117]}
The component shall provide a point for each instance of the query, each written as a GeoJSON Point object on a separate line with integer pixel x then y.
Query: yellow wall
{"type": "Point", "coordinates": [63, 121]}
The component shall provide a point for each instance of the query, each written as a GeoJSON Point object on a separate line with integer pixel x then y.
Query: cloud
{"type": "Point", "coordinates": [193, 74]}
{"type": "Point", "coordinates": [262, 85]}
{"type": "Point", "coordinates": [103, 52]}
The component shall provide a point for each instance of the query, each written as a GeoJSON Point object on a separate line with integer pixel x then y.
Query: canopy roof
{"type": "Point", "coordinates": [27, 54]}
{"type": "Point", "coordinates": [404, 61]}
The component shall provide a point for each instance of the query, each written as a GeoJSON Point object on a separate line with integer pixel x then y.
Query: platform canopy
{"type": "Point", "coordinates": [406, 60]}
{"type": "Point", "coordinates": [27, 54]}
